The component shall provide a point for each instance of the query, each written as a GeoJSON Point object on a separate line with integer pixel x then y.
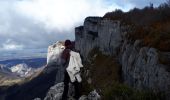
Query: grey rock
{"type": "Point", "coordinates": [54, 53]}
{"type": "Point", "coordinates": [54, 61]}
{"type": "Point", "coordinates": [97, 33]}
{"type": "Point", "coordinates": [83, 97]}
{"type": "Point", "coordinates": [91, 96]}
{"type": "Point", "coordinates": [56, 91]}
{"type": "Point", "coordinates": [141, 67]}
{"type": "Point", "coordinates": [37, 99]}
{"type": "Point", "coordinates": [110, 37]}
{"type": "Point", "coordinates": [59, 71]}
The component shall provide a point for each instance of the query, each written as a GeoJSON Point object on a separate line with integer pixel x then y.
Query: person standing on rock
{"type": "Point", "coordinates": [66, 57]}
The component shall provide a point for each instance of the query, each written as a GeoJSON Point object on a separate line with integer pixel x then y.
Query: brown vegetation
{"type": "Point", "coordinates": [104, 71]}
{"type": "Point", "coordinates": [152, 25]}
{"type": "Point", "coordinates": [105, 75]}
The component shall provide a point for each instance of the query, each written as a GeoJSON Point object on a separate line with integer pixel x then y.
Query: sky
{"type": "Point", "coordinates": [32, 25]}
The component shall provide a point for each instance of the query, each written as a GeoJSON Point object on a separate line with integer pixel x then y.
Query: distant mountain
{"type": "Point", "coordinates": [33, 63]}
{"type": "Point", "coordinates": [4, 69]}
{"type": "Point", "coordinates": [7, 77]}
{"type": "Point", "coordinates": [15, 70]}
{"type": "Point", "coordinates": [22, 70]}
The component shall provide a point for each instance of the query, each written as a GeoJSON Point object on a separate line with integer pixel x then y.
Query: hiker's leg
{"type": "Point", "coordinates": [77, 87]}
{"type": "Point", "coordinates": [66, 86]}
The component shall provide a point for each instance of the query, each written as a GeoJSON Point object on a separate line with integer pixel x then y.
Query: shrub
{"type": "Point", "coordinates": [148, 24]}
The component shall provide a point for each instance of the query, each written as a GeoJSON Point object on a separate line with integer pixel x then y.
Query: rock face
{"type": "Point", "coordinates": [54, 52]}
{"type": "Point", "coordinates": [97, 32]}
{"type": "Point", "coordinates": [54, 61]}
{"type": "Point", "coordinates": [54, 58]}
{"type": "Point", "coordinates": [142, 69]}
{"type": "Point", "coordinates": [91, 96]}
{"type": "Point", "coordinates": [56, 91]}
{"type": "Point", "coordinates": [141, 66]}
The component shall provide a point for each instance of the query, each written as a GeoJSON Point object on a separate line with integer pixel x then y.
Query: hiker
{"type": "Point", "coordinates": [66, 62]}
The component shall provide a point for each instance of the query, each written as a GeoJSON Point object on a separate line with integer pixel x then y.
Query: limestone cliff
{"type": "Point", "coordinates": [98, 32]}
{"type": "Point", "coordinates": [141, 65]}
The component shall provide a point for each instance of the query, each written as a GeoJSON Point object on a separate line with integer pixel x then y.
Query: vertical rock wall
{"type": "Point", "coordinates": [141, 67]}
{"type": "Point", "coordinates": [97, 32]}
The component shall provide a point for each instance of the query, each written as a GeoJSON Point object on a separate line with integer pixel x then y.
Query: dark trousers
{"type": "Point", "coordinates": [66, 87]}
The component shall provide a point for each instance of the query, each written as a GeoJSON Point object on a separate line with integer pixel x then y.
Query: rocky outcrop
{"type": "Point", "coordinates": [56, 91]}
{"type": "Point", "coordinates": [54, 61]}
{"type": "Point", "coordinates": [91, 96]}
{"type": "Point", "coordinates": [141, 66]}
{"type": "Point", "coordinates": [54, 52]}
{"type": "Point", "coordinates": [98, 33]}
{"type": "Point", "coordinates": [142, 69]}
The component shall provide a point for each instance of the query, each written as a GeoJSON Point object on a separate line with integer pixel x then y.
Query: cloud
{"type": "Point", "coordinates": [63, 14]}
{"type": "Point", "coordinates": [142, 3]}
{"type": "Point", "coordinates": [38, 23]}
{"type": "Point", "coordinates": [136, 3]}
{"type": "Point", "coordinates": [11, 45]}
{"type": "Point", "coordinates": [24, 31]}
{"type": "Point", "coordinates": [35, 24]}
